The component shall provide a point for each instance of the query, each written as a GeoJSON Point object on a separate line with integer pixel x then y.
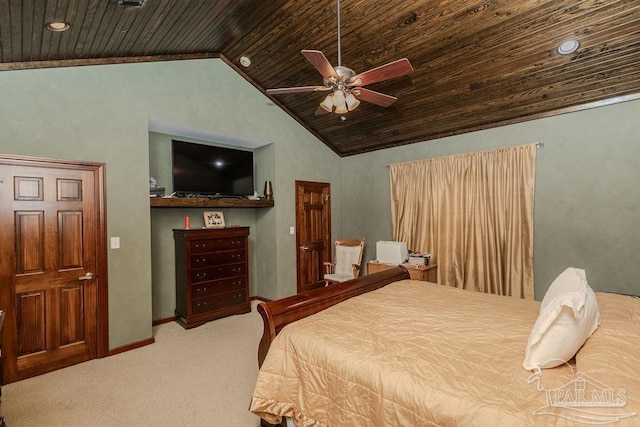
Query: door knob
{"type": "Point", "coordinates": [87, 276]}
{"type": "Point", "coordinates": [304, 248]}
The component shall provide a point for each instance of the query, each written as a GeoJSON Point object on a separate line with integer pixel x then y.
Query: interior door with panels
{"type": "Point", "coordinates": [313, 235]}
{"type": "Point", "coordinates": [49, 223]}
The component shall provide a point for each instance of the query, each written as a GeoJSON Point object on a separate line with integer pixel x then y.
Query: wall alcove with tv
{"type": "Point", "coordinates": [168, 213]}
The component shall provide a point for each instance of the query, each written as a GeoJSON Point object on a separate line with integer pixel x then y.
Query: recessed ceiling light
{"type": "Point", "coordinates": [245, 61]}
{"type": "Point", "coordinates": [568, 46]}
{"type": "Point", "coordinates": [57, 26]}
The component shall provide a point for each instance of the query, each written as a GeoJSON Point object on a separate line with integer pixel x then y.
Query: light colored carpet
{"type": "Point", "coordinates": [198, 377]}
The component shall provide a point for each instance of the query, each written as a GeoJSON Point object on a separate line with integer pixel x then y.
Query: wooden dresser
{"type": "Point", "coordinates": [212, 274]}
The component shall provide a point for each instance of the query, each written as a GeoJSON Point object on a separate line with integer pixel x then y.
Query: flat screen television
{"type": "Point", "coordinates": [209, 170]}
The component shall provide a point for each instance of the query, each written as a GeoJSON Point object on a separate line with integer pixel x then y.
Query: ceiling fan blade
{"type": "Point", "coordinates": [391, 70]}
{"type": "Point", "coordinates": [321, 63]}
{"type": "Point", "coordinates": [374, 97]}
{"type": "Point", "coordinates": [299, 89]}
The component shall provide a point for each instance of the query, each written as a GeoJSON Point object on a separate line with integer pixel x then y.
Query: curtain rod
{"type": "Point", "coordinates": [538, 145]}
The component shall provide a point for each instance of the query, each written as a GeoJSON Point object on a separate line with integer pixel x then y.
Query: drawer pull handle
{"type": "Point", "coordinates": [201, 260]}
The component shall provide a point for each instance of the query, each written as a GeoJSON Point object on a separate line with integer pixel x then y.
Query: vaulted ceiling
{"type": "Point", "coordinates": [477, 63]}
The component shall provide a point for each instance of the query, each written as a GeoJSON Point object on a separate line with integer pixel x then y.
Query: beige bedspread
{"type": "Point", "coordinates": [409, 354]}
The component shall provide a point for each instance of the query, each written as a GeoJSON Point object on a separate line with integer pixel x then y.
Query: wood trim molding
{"type": "Point", "coordinates": [163, 321]}
{"type": "Point", "coordinates": [29, 65]}
{"type": "Point", "coordinates": [102, 349]}
{"type": "Point", "coordinates": [131, 346]}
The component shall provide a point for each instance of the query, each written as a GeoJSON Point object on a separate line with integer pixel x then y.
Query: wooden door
{"type": "Point", "coordinates": [50, 229]}
{"type": "Point", "coordinates": [313, 236]}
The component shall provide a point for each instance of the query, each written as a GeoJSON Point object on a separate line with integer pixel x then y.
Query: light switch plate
{"type": "Point", "coordinates": [292, 230]}
{"type": "Point", "coordinates": [115, 243]}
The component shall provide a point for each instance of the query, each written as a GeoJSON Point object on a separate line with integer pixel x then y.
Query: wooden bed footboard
{"type": "Point", "coordinates": [277, 314]}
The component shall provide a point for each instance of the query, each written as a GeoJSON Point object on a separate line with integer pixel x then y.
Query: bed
{"type": "Point", "coordinates": [386, 350]}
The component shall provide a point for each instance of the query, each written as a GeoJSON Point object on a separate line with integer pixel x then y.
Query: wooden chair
{"type": "Point", "coordinates": [347, 261]}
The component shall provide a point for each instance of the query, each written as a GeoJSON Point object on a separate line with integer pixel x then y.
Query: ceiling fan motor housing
{"type": "Point", "coordinates": [344, 74]}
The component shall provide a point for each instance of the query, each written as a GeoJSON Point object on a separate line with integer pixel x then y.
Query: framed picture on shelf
{"type": "Point", "coordinates": [214, 219]}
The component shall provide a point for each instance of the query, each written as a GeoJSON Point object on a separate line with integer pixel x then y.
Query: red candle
{"type": "Point", "coordinates": [187, 222]}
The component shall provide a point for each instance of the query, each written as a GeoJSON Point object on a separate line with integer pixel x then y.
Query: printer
{"type": "Point", "coordinates": [389, 252]}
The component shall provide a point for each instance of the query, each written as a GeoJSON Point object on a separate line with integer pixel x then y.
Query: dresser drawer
{"type": "Point", "coordinates": [218, 286]}
{"type": "Point", "coordinates": [217, 272]}
{"type": "Point", "coordinates": [217, 302]}
{"type": "Point", "coordinates": [209, 245]}
{"type": "Point", "coordinates": [215, 258]}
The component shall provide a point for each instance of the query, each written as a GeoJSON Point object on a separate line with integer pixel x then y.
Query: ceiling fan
{"type": "Point", "coordinates": [346, 87]}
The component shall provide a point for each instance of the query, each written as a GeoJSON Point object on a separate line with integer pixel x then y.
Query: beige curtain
{"type": "Point", "coordinates": [474, 213]}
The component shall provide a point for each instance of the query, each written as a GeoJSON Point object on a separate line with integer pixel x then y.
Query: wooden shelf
{"type": "Point", "coordinates": [202, 202]}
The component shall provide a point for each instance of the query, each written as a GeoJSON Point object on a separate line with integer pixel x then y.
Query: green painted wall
{"type": "Point", "coordinates": [587, 197]}
{"type": "Point", "coordinates": [101, 113]}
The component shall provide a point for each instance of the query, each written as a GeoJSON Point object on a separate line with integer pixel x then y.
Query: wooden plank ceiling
{"type": "Point", "coordinates": [478, 63]}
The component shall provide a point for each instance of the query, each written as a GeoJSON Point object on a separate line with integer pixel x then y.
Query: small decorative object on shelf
{"type": "Point", "coordinates": [214, 219]}
{"type": "Point", "coordinates": [268, 190]}
{"type": "Point", "coordinates": [154, 189]}
{"type": "Point", "coordinates": [187, 222]}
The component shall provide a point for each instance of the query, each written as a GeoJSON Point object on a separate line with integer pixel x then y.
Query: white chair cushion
{"type": "Point", "coordinates": [346, 256]}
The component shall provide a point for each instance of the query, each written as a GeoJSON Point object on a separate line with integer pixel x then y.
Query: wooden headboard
{"type": "Point", "coordinates": [277, 314]}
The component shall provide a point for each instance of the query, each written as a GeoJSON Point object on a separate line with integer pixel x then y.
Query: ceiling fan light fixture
{"type": "Point", "coordinates": [339, 102]}
{"type": "Point", "coordinates": [346, 85]}
{"type": "Point", "coordinates": [341, 109]}
{"type": "Point", "coordinates": [327, 104]}
{"type": "Point", "coordinates": [352, 101]}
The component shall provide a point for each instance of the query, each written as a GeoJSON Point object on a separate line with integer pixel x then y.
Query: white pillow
{"type": "Point", "coordinates": [568, 316]}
